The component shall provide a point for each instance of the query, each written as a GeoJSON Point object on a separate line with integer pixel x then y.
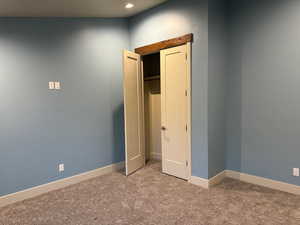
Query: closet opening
{"type": "Point", "coordinates": [157, 106]}
{"type": "Point", "coordinates": [152, 106]}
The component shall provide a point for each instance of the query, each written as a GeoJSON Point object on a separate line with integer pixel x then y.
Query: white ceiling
{"type": "Point", "coordinates": [73, 8]}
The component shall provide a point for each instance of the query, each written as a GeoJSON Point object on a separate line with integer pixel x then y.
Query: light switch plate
{"type": "Point", "coordinates": [57, 85]}
{"type": "Point", "coordinates": [61, 167]}
{"type": "Point", "coordinates": [51, 85]}
{"type": "Point", "coordinates": [296, 172]}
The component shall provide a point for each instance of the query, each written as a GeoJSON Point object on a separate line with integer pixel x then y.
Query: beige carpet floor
{"type": "Point", "coordinates": [149, 197]}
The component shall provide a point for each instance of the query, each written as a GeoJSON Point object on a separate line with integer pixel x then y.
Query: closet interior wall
{"type": "Point", "coordinates": [151, 71]}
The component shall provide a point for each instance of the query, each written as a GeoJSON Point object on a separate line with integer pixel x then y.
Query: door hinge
{"type": "Point", "coordinates": [186, 128]}
{"type": "Point", "coordinates": [187, 163]}
{"type": "Point", "coordinates": [186, 56]}
{"type": "Point", "coordinates": [185, 92]}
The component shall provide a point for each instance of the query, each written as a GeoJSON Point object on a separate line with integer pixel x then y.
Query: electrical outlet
{"type": "Point", "coordinates": [57, 85]}
{"type": "Point", "coordinates": [61, 167]}
{"type": "Point", "coordinates": [296, 172]}
{"type": "Point", "coordinates": [51, 85]}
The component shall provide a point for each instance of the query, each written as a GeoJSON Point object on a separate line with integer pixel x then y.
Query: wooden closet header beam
{"type": "Point", "coordinates": [156, 47]}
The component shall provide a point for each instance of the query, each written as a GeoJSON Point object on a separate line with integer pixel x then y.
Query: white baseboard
{"type": "Point", "coordinates": [273, 184]}
{"type": "Point", "coordinates": [207, 183]}
{"type": "Point", "coordinates": [155, 155]}
{"type": "Point", "coordinates": [217, 179]}
{"type": "Point", "coordinates": [42, 189]}
{"type": "Point", "coordinates": [233, 174]}
{"type": "Point", "coordinates": [202, 182]}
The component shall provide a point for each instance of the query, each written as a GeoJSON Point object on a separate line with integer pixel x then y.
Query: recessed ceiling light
{"type": "Point", "coordinates": [129, 5]}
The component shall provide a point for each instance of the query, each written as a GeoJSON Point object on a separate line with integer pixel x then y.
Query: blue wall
{"type": "Point", "coordinates": [264, 89]}
{"type": "Point", "coordinates": [169, 20]}
{"type": "Point", "coordinates": [234, 92]}
{"type": "Point", "coordinates": [81, 125]}
{"type": "Point", "coordinates": [217, 71]}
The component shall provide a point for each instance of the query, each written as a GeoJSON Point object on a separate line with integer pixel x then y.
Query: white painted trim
{"type": "Point", "coordinates": [233, 174]}
{"type": "Point", "coordinates": [189, 107]}
{"type": "Point", "coordinates": [217, 179]}
{"type": "Point", "coordinates": [273, 184]}
{"type": "Point", "coordinates": [261, 181]}
{"type": "Point", "coordinates": [42, 189]}
{"type": "Point", "coordinates": [155, 155]}
{"type": "Point", "coordinates": [204, 183]}
{"type": "Point", "coordinates": [207, 183]}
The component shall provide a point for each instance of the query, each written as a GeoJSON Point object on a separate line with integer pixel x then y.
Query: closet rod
{"type": "Point", "coordinates": [152, 78]}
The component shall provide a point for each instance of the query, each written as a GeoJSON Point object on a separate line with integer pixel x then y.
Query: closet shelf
{"type": "Point", "coordinates": [152, 78]}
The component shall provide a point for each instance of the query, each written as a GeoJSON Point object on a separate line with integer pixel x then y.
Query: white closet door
{"type": "Point", "coordinates": [133, 112]}
{"type": "Point", "coordinates": [174, 111]}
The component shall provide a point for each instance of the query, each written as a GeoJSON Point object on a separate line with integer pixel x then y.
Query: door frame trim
{"type": "Point", "coordinates": [189, 107]}
{"type": "Point", "coordinates": [158, 46]}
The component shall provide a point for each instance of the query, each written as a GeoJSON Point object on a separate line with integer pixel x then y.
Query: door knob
{"type": "Point", "coordinates": [163, 128]}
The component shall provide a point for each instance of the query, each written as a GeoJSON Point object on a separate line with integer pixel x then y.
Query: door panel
{"type": "Point", "coordinates": [133, 112]}
{"type": "Point", "coordinates": [174, 111]}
